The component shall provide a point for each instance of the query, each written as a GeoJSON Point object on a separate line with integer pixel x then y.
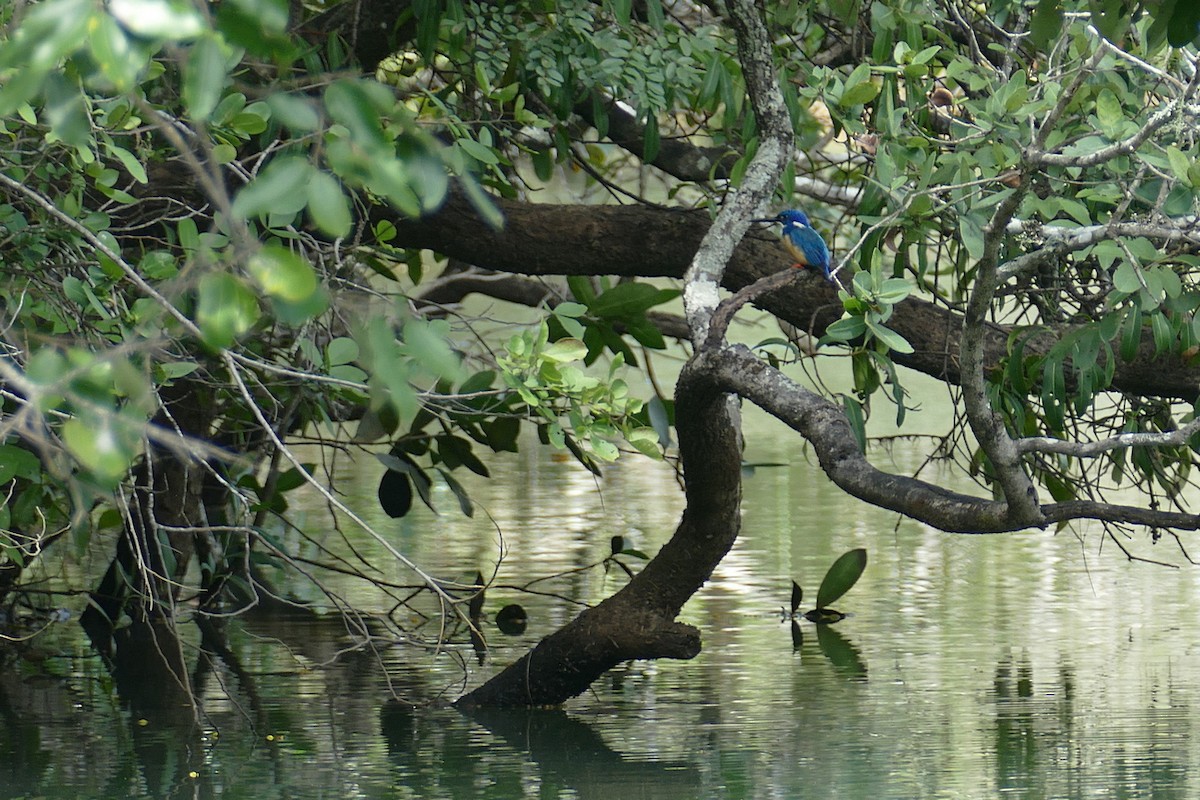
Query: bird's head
{"type": "Point", "coordinates": [789, 218]}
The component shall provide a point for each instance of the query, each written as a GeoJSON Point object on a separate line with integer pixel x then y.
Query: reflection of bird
{"type": "Point", "coordinates": [804, 243]}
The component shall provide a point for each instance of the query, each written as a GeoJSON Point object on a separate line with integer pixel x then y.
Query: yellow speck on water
{"type": "Point", "coordinates": [143, 722]}
{"type": "Point", "coordinates": [193, 774]}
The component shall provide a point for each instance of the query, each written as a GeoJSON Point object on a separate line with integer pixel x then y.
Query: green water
{"type": "Point", "coordinates": [1034, 665]}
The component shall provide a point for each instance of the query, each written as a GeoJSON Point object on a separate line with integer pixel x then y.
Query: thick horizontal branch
{"type": "Point", "coordinates": [637, 241]}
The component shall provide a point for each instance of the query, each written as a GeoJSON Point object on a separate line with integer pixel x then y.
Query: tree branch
{"type": "Point", "coordinates": [637, 241]}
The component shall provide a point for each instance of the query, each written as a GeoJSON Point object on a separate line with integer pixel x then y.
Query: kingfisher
{"type": "Point", "coordinates": [804, 243]}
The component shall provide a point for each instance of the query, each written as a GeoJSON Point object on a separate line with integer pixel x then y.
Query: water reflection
{"type": "Point", "coordinates": [1028, 666]}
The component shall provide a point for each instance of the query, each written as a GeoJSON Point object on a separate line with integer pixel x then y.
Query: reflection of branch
{"type": "Point", "coordinates": [569, 752]}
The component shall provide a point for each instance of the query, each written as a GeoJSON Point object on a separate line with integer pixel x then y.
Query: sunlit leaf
{"type": "Point", "coordinates": [225, 309]}
{"type": "Point", "coordinates": [159, 19]}
{"type": "Point", "coordinates": [101, 446]}
{"type": "Point", "coordinates": [565, 350]}
{"type": "Point", "coordinates": [111, 50]}
{"type": "Point", "coordinates": [889, 337]}
{"type": "Point", "coordinates": [282, 274]}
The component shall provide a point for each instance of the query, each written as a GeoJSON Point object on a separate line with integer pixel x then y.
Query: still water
{"type": "Point", "coordinates": [1033, 665]}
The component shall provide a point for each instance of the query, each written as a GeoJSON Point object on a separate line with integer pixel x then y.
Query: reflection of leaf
{"type": "Point", "coordinates": [479, 643]}
{"type": "Point", "coordinates": [797, 636]}
{"type": "Point", "coordinates": [844, 573]}
{"type": "Point", "coordinates": [475, 606]}
{"type": "Point", "coordinates": [840, 652]}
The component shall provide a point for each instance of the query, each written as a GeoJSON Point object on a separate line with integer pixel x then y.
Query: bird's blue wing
{"type": "Point", "coordinates": [816, 253]}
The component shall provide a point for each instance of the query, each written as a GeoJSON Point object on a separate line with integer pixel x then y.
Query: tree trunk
{"type": "Point", "coordinates": [639, 620]}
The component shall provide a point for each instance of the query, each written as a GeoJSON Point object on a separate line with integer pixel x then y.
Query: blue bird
{"type": "Point", "coordinates": [804, 243]}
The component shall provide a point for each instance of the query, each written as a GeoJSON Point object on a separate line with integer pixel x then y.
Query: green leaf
{"type": "Point", "coordinates": [1126, 279]}
{"type": "Point", "coordinates": [1180, 164]}
{"type": "Point", "coordinates": [846, 329]}
{"type": "Point", "coordinates": [1110, 114]}
{"type": "Point", "coordinates": [858, 422]}
{"type": "Point", "coordinates": [101, 446]}
{"type": "Point", "coordinates": [17, 462]}
{"type": "Point", "coordinates": [841, 577]}
{"type": "Point", "coordinates": [282, 274]}
{"type": "Point", "coordinates": [128, 160]}
{"type": "Point", "coordinates": [1164, 336]}
{"type": "Point", "coordinates": [859, 87]}
{"type": "Point", "coordinates": [892, 340]}
{"type": "Point", "coordinates": [277, 189]}
{"type": "Point", "coordinates": [159, 19]}
{"type": "Point", "coordinates": [625, 299]}
{"type": "Point", "coordinates": [67, 112]}
{"type": "Point", "coordinates": [893, 291]}
{"type": "Point", "coordinates": [1046, 23]}
{"type": "Point", "coordinates": [565, 350]}
{"type": "Point", "coordinates": [1131, 334]}
{"type": "Point", "coordinates": [225, 309]}
{"type": "Point", "coordinates": [327, 204]}
{"type": "Point", "coordinates": [356, 105]}
{"type": "Point", "coordinates": [295, 112]}
{"type": "Point", "coordinates": [204, 76]}
{"type": "Point", "coordinates": [427, 342]}
{"type": "Point", "coordinates": [341, 350]}
{"type": "Point", "coordinates": [480, 152]}
{"type": "Point", "coordinates": [111, 50]}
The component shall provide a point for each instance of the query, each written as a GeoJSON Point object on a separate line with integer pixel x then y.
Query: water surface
{"type": "Point", "coordinates": [1028, 665]}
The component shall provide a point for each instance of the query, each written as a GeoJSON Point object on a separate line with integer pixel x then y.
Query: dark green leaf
{"type": "Point", "coordinates": [797, 596]}
{"type": "Point", "coordinates": [858, 422]}
{"type": "Point", "coordinates": [395, 494]}
{"type": "Point", "coordinates": [1046, 23]}
{"type": "Point", "coordinates": [841, 654]}
{"type": "Point", "coordinates": [844, 573]}
{"type": "Point", "coordinates": [625, 299]}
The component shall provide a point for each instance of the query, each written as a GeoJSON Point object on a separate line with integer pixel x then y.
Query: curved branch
{"type": "Point", "coordinates": [823, 424]}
